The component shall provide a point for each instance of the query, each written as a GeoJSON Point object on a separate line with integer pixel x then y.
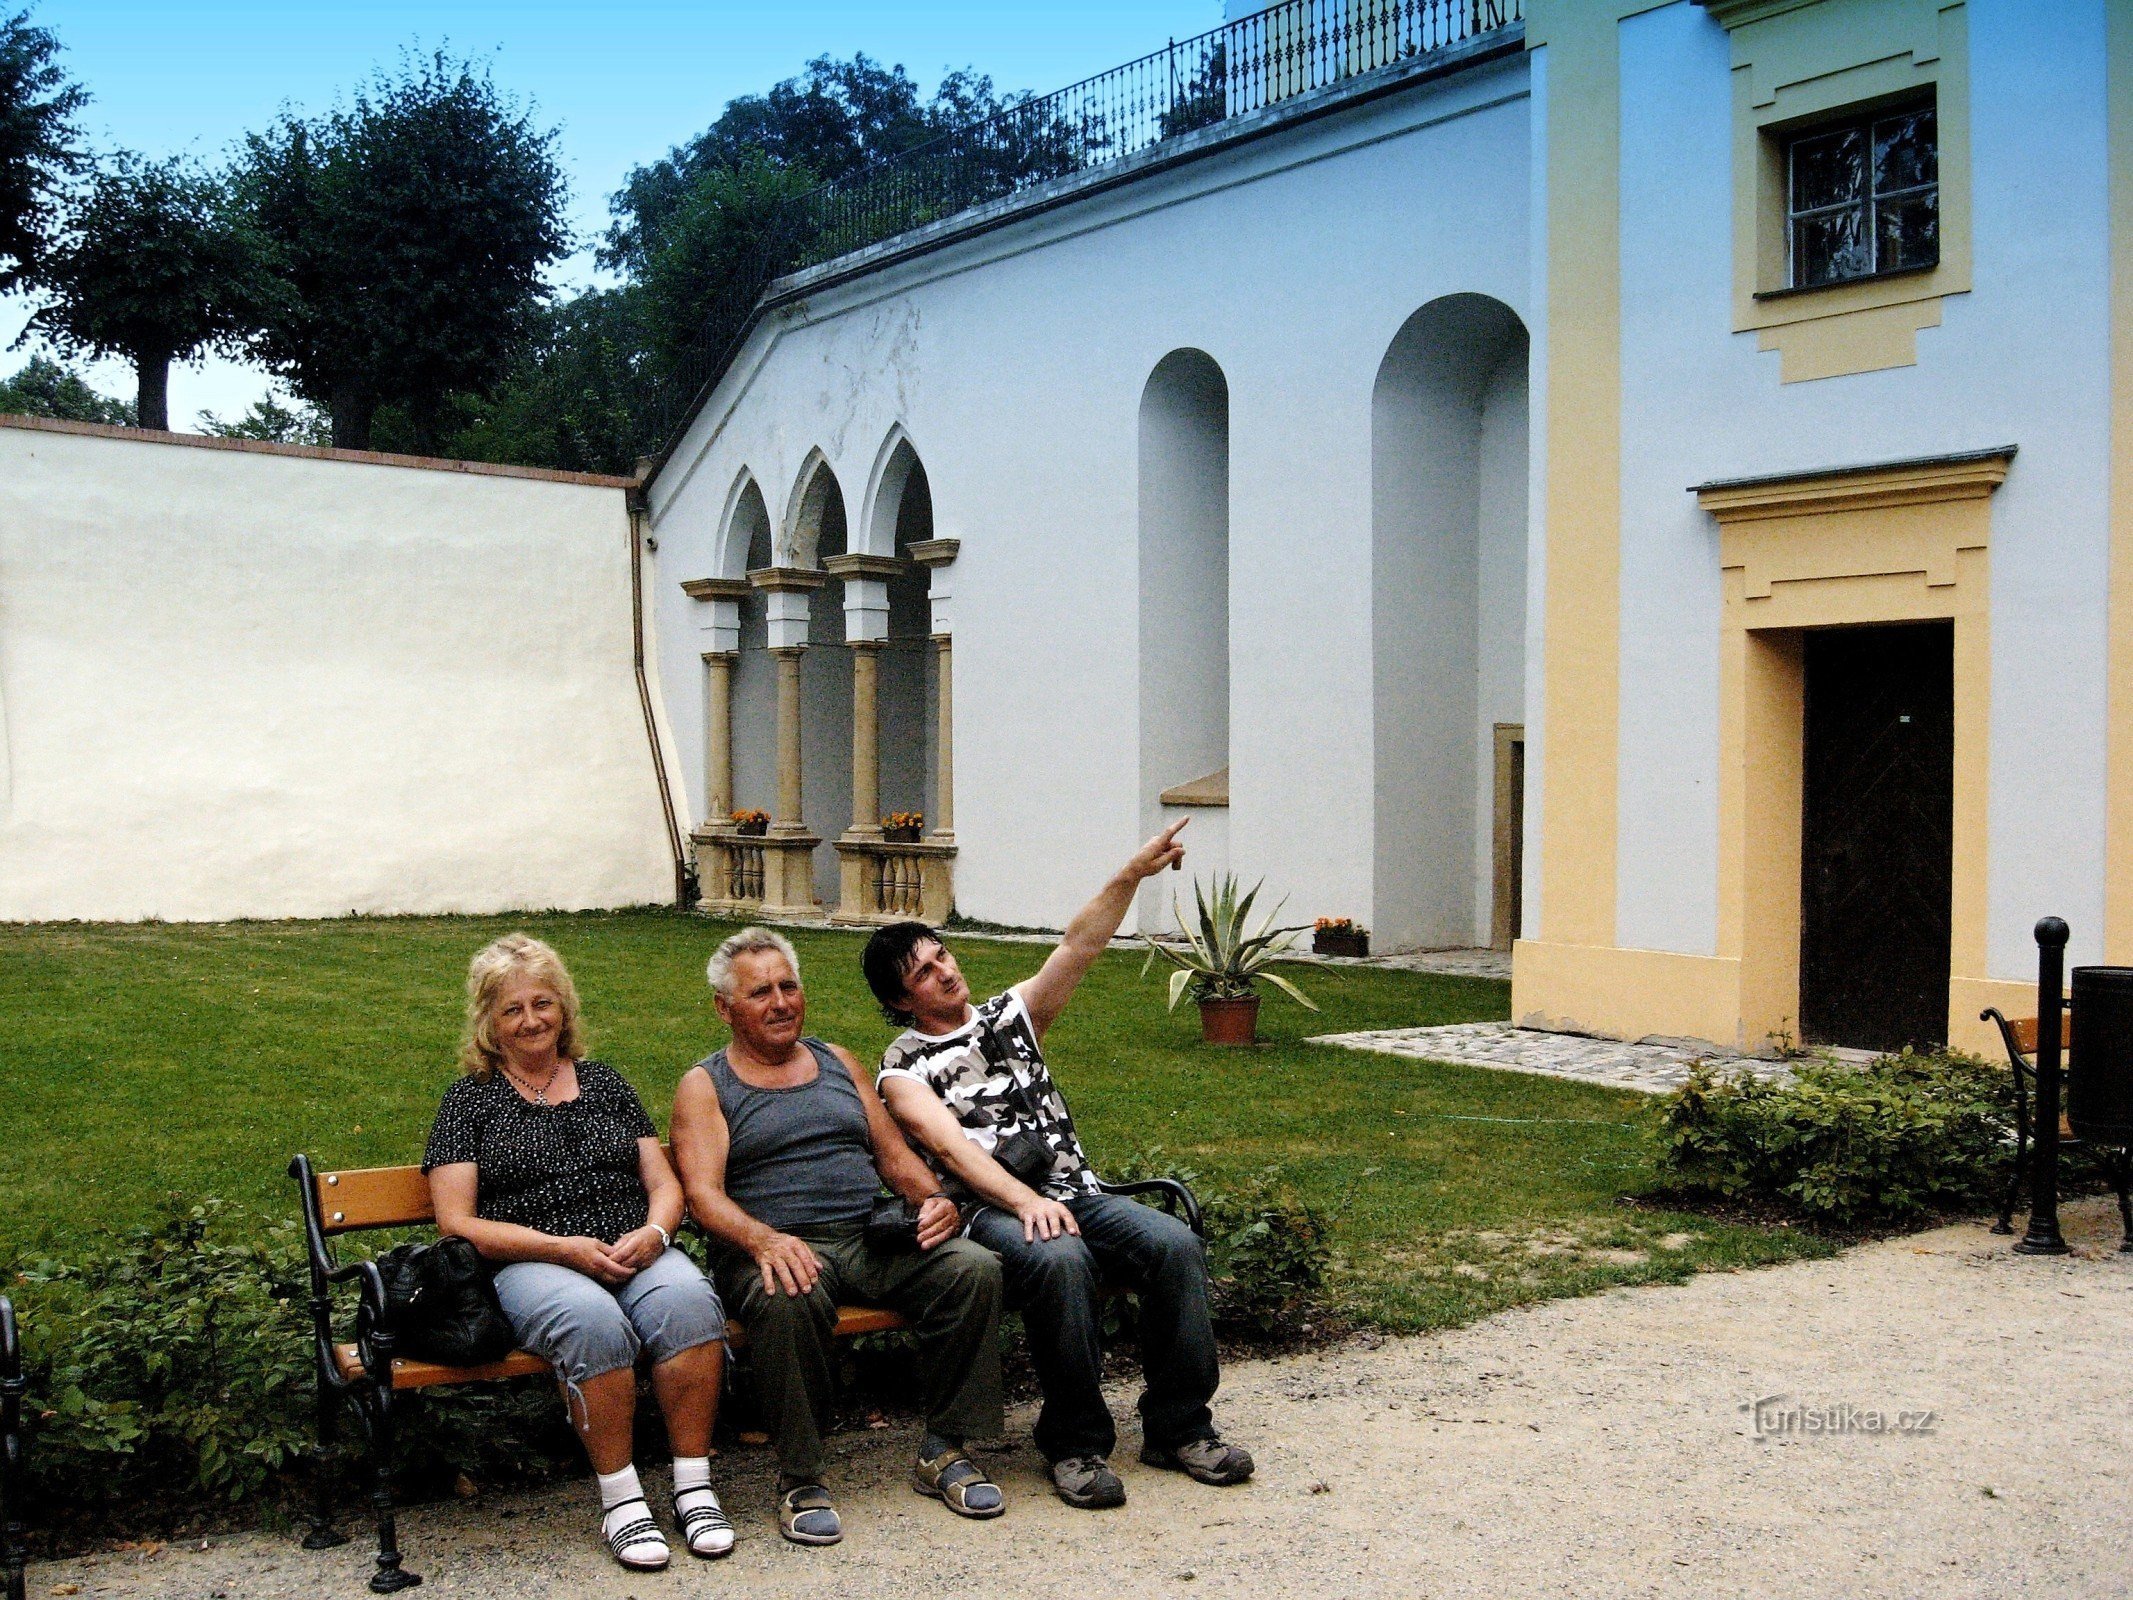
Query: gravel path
{"type": "Point", "coordinates": [1580, 1448]}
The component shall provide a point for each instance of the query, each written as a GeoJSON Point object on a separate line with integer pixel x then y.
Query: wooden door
{"type": "Point", "coordinates": [1877, 835]}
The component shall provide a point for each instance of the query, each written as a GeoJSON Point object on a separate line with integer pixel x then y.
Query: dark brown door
{"type": "Point", "coordinates": [1876, 835]}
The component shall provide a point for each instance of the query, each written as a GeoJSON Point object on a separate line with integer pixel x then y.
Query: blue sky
{"type": "Point", "coordinates": [625, 81]}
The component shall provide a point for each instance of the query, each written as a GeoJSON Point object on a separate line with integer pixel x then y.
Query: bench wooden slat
{"type": "Point", "coordinates": [408, 1374]}
{"type": "Point", "coordinates": [2025, 1032]}
{"type": "Point", "coordinates": [373, 1197]}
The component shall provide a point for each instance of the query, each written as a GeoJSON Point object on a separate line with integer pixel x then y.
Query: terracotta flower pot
{"type": "Point", "coordinates": [1230, 1021]}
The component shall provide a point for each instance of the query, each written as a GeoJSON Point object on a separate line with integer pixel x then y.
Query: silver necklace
{"type": "Point", "coordinates": [540, 1095]}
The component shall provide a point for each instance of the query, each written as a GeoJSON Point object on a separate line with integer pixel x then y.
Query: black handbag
{"type": "Point", "coordinates": [442, 1305]}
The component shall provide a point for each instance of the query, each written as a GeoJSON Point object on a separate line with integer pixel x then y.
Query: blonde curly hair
{"type": "Point", "coordinates": [515, 955]}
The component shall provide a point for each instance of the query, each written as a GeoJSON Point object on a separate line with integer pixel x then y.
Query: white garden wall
{"type": "Point", "coordinates": [271, 683]}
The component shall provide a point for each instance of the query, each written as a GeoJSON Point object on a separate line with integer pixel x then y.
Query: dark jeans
{"type": "Point", "coordinates": [950, 1294]}
{"type": "Point", "coordinates": [1053, 1283]}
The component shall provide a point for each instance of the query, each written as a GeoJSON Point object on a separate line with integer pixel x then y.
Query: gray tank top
{"type": "Point", "coordinates": [799, 1159]}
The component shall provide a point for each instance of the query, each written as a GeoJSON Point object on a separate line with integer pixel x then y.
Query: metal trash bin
{"type": "Point", "coordinates": [2099, 1069]}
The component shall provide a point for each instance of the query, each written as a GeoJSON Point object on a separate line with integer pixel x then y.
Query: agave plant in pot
{"type": "Point", "coordinates": [1222, 959]}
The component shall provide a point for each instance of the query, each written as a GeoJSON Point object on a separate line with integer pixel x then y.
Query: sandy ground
{"type": "Point", "coordinates": [1586, 1447]}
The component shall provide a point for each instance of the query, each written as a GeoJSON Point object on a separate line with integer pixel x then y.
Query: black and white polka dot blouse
{"type": "Point", "coordinates": [568, 1169]}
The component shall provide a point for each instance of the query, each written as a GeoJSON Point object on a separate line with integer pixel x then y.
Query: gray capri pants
{"type": "Point", "coordinates": [582, 1328]}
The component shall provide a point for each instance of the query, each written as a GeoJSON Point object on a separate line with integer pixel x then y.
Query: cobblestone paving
{"type": "Point", "coordinates": [1452, 963]}
{"type": "Point", "coordinates": [1652, 1067]}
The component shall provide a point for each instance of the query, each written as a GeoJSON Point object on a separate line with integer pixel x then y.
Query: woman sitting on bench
{"type": "Point", "coordinates": [549, 1165]}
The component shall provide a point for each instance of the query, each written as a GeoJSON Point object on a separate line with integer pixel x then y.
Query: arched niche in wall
{"type": "Point", "coordinates": [1184, 592]}
{"type": "Point", "coordinates": [745, 541]}
{"type": "Point", "coordinates": [901, 515]}
{"type": "Point", "coordinates": [816, 525]}
{"type": "Point", "coordinates": [818, 530]}
{"type": "Point", "coordinates": [745, 546]}
{"type": "Point", "coordinates": [1448, 455]}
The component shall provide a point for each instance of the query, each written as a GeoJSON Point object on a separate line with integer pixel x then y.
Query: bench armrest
{"type": "Point", "coordinates": [1174, 1196]}
{"type": "Point", "coordinates": [373, 1329]}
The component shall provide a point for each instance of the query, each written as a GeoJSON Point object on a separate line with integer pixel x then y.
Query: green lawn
{"type": "Point", "coordinates": [147, 1060]}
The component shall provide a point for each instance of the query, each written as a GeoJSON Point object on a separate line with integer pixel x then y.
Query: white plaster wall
{"type": "Point", "coordinates": [2021, 360]}
{"type": "Point", "coordinates": [1016, 361]}
{"type": "Point", "coordinates": [251, 685]}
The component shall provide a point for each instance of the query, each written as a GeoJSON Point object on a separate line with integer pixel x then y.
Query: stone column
{"type": "Point", "coordinates": [788, 820]}
{"type": "Point", "coordinates": [944, 742]}
{"type": "Point", "coordinates": [938, 556]}
{"type": "Point", "coordinates": [718, 736]}
{"type": "Point", "coordinates": [866, 739]}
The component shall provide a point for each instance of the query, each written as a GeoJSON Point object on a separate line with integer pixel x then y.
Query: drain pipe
{"type": "Point", "coordinates": [685, 894]}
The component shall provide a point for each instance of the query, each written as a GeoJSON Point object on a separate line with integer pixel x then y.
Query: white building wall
{"type": "Point", "coordinates": [244, 684]}
{"type": "Point", "coordinates": [2021, 360]}
{"type": "Point", "coordinates": [1017, 362]}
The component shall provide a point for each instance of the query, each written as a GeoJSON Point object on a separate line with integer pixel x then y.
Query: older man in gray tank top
{"type": "Point", "coordinates": [783, 1147]}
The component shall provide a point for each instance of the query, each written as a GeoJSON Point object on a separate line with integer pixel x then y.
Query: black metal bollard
{"type": "Point", "coordinates": [2043, 1237]}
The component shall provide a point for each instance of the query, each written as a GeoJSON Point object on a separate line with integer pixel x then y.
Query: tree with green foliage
{"type": "Point", "coordinates": [152, 265]}
{"type": "Point", "coordinates": [836, 118]}
{"type": "Point", "coordinates": [411, 229]}
{"type": "Point", "coordinates": [44, 388]}
{"type": "Point", "coordinates": [575, 400]}
{"type": "Point", "coordinates": [37, 107]}
{"type": "Point", "coordinates": [698, 233]}
{"type": "Point", "coordinates": [273, 422]}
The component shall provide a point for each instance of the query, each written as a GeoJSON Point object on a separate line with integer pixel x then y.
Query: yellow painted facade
{"type": "Point", "coordinates": [1902, 543]}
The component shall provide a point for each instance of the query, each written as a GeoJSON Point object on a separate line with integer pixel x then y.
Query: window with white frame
{"type": "Point", "coordinates": [1863, 198]}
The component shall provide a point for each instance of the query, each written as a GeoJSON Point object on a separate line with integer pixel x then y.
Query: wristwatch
{"type": "Point", "coordinates": [666, 1239]}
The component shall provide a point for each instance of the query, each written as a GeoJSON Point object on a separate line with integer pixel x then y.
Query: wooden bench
{"type": "Point", "coordinates": [13, 1555]}
{"type": "Point", "coordinates": [2019, 1035]}
{"type": "Point", "coordinates": [366, 1373]}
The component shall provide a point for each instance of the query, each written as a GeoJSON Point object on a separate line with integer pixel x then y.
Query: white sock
{"type": "Point", "coordinates": [617, 1487]}
{"type": "Point", "coordinates": [691, 1472]}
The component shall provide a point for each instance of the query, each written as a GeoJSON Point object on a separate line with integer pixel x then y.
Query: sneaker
{"type": "Point", "coordinates": [1208, 1460]}
{"type": "Point", "coordinates": [1088, 1483]}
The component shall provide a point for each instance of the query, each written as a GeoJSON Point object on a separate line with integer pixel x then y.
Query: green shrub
{"type": "Point", "coordinates": [1902, 1137]}
{"type": "Point", "coordinates": [172, 1366]}
{"type": "Point", "coordinates": [1267, 1251]}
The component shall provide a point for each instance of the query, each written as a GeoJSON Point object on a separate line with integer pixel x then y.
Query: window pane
{"type": "Point", "coordinates": [1829, 169]}
{"type": "Point", "coordinates": [1909, 231]}
{"type": "Point", "coordinates": [1906, 152]}
{"type": "Point", "coordinates": [1830, 246]}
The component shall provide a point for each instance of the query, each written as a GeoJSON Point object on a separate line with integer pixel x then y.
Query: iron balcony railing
{"type": "Point", "coordinates": [1289, 49]}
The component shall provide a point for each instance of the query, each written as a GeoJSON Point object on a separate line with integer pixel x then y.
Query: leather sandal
{"type": "Point", "coordinates": [807, 1515]}
{"type": "Point", "coordinates": [960, 1484]}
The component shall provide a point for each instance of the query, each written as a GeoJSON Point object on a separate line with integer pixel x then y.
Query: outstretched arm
{"type": "Point", "coordinates": [1090, 932]}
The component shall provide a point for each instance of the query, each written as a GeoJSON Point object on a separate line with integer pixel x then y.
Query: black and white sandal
{"type": "Point", "coordinates": [634, 1537]}
{"type": "Point", "coordinates": [705, 1528]}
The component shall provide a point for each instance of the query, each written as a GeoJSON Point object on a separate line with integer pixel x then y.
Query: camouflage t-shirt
{"type": "Point", "coordinates": [997, 1098]}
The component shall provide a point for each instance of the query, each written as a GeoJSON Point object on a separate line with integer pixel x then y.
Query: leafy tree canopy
{"type": "Point", "coordinates": [828, 123]}
{"type": "Point", "coordinates": [44, 388]}
{"type": "Point", "coordinates": [37, 107]}
{"type": "Point", "coordinates": [272, 421]}
{"type": "Point", "coordinates": [411, 229]}
{"type": "Point", "coordinates": [152, 265]}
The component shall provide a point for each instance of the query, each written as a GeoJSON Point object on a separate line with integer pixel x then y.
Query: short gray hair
{"type": "Point", "coordinates": [718, 971]}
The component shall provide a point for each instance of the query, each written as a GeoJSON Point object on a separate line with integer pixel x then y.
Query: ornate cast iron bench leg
{"type": "Point", "coordinates": [390, 1577]}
